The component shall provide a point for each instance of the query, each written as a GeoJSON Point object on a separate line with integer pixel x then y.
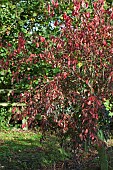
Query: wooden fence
{"type": "Point", "coordinates": [8, 92]}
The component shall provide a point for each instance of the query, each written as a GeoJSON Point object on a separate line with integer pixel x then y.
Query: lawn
{"type": "Point", "coordinates": [22, 150]}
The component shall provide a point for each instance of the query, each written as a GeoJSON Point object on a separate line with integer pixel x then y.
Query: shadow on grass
{"type": "Point", "coordinates": [23, 151]}
{"type": "Point", "coordinates": [29, 154]}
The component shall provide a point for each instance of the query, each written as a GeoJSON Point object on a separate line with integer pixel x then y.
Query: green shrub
{"type": "Point", "coordinates": [5, 116]}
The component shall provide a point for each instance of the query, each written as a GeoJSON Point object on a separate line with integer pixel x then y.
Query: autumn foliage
{"type": "Point", "coordinates": [82, 53]}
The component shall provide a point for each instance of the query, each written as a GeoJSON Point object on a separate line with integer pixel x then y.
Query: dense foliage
{"type": "Point", "coordinates": [61, 60]}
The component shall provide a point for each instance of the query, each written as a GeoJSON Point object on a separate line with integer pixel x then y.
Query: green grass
{"type": "Point", "coordinates": [21, 150]}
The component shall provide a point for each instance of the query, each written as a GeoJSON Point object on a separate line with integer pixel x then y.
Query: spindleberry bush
{"type": "Point", "coordinates": [76, 64]}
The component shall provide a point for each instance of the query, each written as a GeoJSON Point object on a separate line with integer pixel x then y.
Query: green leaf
{"type": "Point", "coordinates": [34, 14]}
{"type": "Point", "coordinates": [101, 135]}
{"type": "Point", "coordinates": [56, 70]}
{"type": "Point", "coordinates": [111, 114]}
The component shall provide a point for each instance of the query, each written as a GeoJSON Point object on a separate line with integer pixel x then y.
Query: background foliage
{"type": "Point", "coordinates": [57, 59]}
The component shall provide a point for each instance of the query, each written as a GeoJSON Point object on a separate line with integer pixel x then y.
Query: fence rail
{"type": "Point", "coordinates": [11, 90]}
{"type": "Point", "coordinates": [8, 92]}
{"type": "Point", "coordinates": [4, 104]}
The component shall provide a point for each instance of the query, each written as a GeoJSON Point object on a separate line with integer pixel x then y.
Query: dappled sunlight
{"type": "Point", "coordinates": [23, 150]}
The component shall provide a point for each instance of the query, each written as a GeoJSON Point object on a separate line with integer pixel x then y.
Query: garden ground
{"type": "Point", "coordinates": [22, 150]}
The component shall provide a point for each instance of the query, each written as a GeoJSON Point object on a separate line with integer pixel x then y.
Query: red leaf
{"type": "Point", "coordinates": [88, 14]}
{"type": "Point", "coordinates": [23, 125]}
{"type": "Point", "coordinates": [86, 131]}
{"type": "Point", "coordinates": [111, 15]}
{"type": "Point", "coordinates": [104, 42]}
{"type": "Point", "coordinates": [42, 39]}
{"type": "Point", "coordinates": [92, 98]}
{"type": "Point", "coordinates": [37, 44]}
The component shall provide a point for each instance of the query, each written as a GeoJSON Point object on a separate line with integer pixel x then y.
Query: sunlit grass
{"type": "Point", "coordinates": [22, 150]}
